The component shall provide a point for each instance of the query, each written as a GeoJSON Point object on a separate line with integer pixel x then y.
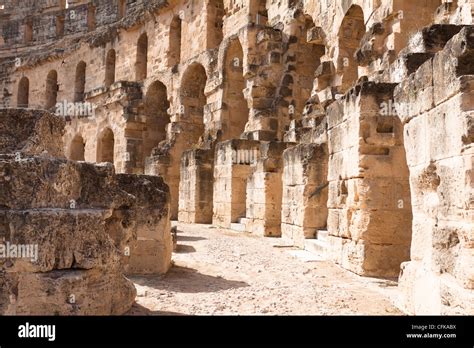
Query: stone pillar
{"type": "Point", "coordinates": [437, 108]}
{"type": "Point", "coordinates": [369, 221]}
{"type": "Point", "coordinates": [196, 186]}
{"type": "Point", "coordinates": [264, 191]}
{"type": "Point", "coordinates": [231, 171]}
{"type": "Point", "coordinates": [304, 206]}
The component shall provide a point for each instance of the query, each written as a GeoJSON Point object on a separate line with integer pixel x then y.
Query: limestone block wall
{"type": "Point", "coordinates": [369, 221]}
{"type": "Point", "coordinates": [240, 13]}
{"type": "Point", "coordinates": [232, 167]}
{"type": "Point", "coordinates": [438, 131]}
{"type": "Point", "coordinates": [305, 191]}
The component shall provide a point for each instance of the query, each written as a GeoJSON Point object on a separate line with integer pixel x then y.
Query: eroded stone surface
{"type": "Point", "coordinates": [86, 225]}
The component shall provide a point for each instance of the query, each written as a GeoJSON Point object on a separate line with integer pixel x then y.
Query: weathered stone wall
{"type": "Point", "coordinates": [370, 216]}
{"type": "Point", "coordinates": [88, 225]}
{"type": "Point", "coordinates": [28, 132]}
{"type": "Point", "coordinates": [438, 130]}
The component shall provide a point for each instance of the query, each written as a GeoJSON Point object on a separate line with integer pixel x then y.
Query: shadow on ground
{"type": "Point", "coordinates": [187, 280]}
{"type": "Point", "coordinates": [185, 249]}
{"type": "Point", "coordinates": [140, 310]}
{"type": "Point", "coordinates": [190, 238]}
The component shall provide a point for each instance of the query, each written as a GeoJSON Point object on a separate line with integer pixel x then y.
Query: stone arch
{"type": "Point", "coordinates": [110, 62]}
{"type": "Point", "coordinates": [121, 8]}
{"type": "Point", "coordinates": [23, 92]}
{"type": "Point", "coordinates": [80, 82]}
{"type": "Point", "coordinates": [51, 89]}
{"type": "Point", "coordinates": [236, 111]}
{"type": "Point", "coordinates": [28, 30]}
{"type": "Point", "coordinates": [106, 146]}
{"type": "Point", "coordinates": [308, 60]}
{"type": "Point", "coordinates": [141, 63]}
{"type": "Point", "coordinates": [77, 149]}
{"type": "Point", "coordinates": [174, 52]}
{"type": "Point", "coordinates": [156, 106]}
{"type": "Point", "coordinates": [192, 97]}
{"type": "Point", "coordinates": [350, 34]}
{"type": "Point", "coordinates": [91, 17]}
{"type": "Point", "coordinates": [60, 20]}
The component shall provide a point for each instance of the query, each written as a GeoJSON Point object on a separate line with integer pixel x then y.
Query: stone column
{"type": "Point", "coordinates": [304, 206]}
{"type": "Point", "coordinates": [196, 186]}
{"type": "Point", "coordinates": [369, 220]}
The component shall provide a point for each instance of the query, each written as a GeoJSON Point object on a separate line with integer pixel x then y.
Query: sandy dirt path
{"type": "Point", "coordinates": [221, 272]}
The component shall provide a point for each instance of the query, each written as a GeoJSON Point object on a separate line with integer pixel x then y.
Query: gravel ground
{"type": "Point", "coordinates": [219, 272]}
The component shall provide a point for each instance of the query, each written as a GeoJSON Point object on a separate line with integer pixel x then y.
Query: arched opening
{"type": "Point", "coordinates": [308, 60]}
{"type": "Point", "coordinates": [215, 23]}
{"type": "Point", "coordinates": [193, 101]}
{"type": "Point", "coordinates": [174, 53]}
{"type": "Point", "coordinates": [28, 31]}
{"type": "Point", "coordinates": [235, 114]}
{"type": "Point", "coordinates": [105, 147]}
{"type": "Point", "coordinates": [91, 22]}
{"type": "Point", "coordinates": [110, 68]}
{"type": "Point", "coordinates": [23, 92]}
{"type": "Point", "coordinates": [156, 111]}
{"type": "Point", "coordinates": [350, 34]}
{"type": "Point", "coordinates": [80, 82]}
{"type": "Point", "coordinates": [59, 26]}
{"type": "Point", "coordinates": [122, 9]}
{"type": "Point", "coordinates": [193, 98]}
{"type": "Point", "coordinates": [51, 89]}
{"type": "Point", "coordinates": [142, 58]}
{"type": "Point", "coordinates": [77, 149]}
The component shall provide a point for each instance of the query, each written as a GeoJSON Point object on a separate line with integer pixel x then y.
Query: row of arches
{"type": "Point", "coordinates": [192, 103]}
{"type": "Point", "coordinates": [105, 147]}
{"type": "Point", "coordinates": [141, 62]}
{"type": "Point", "coordinates": [52, 87]}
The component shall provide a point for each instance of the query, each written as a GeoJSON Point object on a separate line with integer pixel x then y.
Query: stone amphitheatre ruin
{"type": "Point", "coordinates": [345, 127]}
